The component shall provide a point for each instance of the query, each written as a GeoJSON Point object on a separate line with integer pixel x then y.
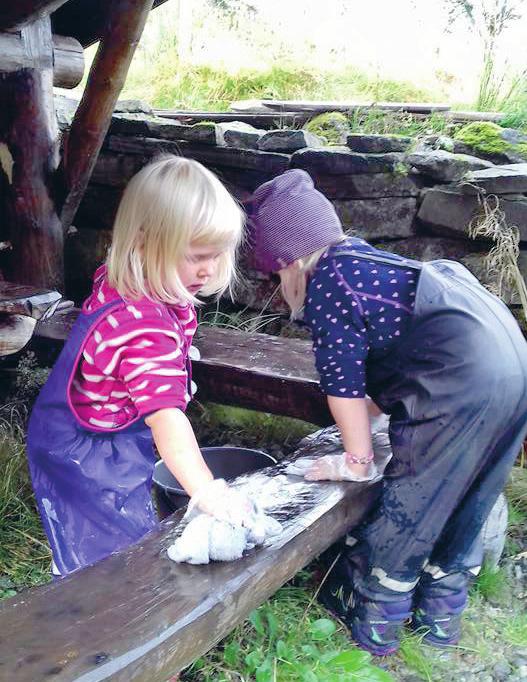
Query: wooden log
{"type": "Point", "coordinates": [16, 299]}
{"type": "Point", "coordinates": [68, 58]}
{"type": "Point", "coordinates": [22, 12]}
{"type": "Point", "coordinates": [137, 616]}
{"type": "Point", "coordinates": [263, 120]}
{"type": "Point", "coordinates": [353, 105]}
{"type": "Point", "coordinates": [125, 23]}
{"type": "Point", "coordinates": [15, 332]}
{"type": "Point", "coordinates": [28, 161]}
{"type": "Point", "coordinates": [257, 371]}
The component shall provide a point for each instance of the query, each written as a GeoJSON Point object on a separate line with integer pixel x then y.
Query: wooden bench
{"type": "Point", "coordinates": [20, 308]}
{"type": "Point", "coordinates": [256, 371]}
{"type": "Point", "coordinates": [139, 616]}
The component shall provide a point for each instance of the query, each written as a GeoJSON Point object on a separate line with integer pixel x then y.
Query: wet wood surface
{"type": "Point", "coordinates": [257, 371]}
{"type": "Point", "coordinates": [137, 616]}
{"type": "Point", "coordinates": [21, 12]}
{"type": "Point", "coordinates": [21, 299]}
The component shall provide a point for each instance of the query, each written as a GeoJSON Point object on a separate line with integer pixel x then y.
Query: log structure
{"type": "Point", "coordinates": [39, 192]}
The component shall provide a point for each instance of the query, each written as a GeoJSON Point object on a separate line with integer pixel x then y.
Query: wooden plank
{"type": "Point", "coordinates": [15, 332]}
{"type": "Point", "coordinates": [22, 12]}
{"type": "Point", "coordinates": [257, 371]}
{"type": "Point", "coordinates": [18, 299]}
{"type": "Point", "coordinates": [137, 616]}
{"type": "Point", "coordinates": [338, 105]}
{"type": "Point", "coordinates": [124, 26]}
{"type": "Point", "coordinates": [258, 120]}
{"type": "Point", "coordinates": [260, 372]}
{"type": "Point", "coordinates": [28, 160]}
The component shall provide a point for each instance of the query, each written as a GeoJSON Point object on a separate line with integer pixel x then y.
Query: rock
{"type": "Point", "coordinates": [333, 126]}
{"type": "Point", "coordinates": [447, 211]}
{"type": "Point", "coordinates": [385, 218]}
{"type": "Point", "coordinates": [378, 144]}
{"type": "Point", "coordinates": [501, 671]}
{"type": "Point", "coordinates": [238, 134]}
{"type": "Point", "coordinates": [510, 179]}
{"type": "Point", "coordinates": [494, 532]}
{"type": "Point", "coordinates": [369, 186]}
{"type": "Point", "coordinates": [490, 141]}
{"type": "Point", "coordinates": [288, 141]}
{"type": "Point", "coordinates": [65, 108]}
{"type": "Point", "coordinates": [471, 253]}
{"type": "Point", "coordinates": [133, 106]}
{"type": "Point", "coordinates": [342, 161]}
{"type": "Point", "coordinates": [162, 128]}
{"type": "Point", "coordinates": [444, 166]}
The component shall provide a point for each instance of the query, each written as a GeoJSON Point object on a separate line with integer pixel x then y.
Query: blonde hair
{"type": "Point", "coordinates": [293, 280]}
{"type": "Point", "coordinates": [170, 204]}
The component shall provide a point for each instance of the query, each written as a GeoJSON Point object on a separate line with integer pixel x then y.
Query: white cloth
{"type": "Point", "coordinates": [208, 538]}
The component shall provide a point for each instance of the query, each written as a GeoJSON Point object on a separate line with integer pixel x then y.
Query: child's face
{"type": "Point", "coordinates": [198, 266]}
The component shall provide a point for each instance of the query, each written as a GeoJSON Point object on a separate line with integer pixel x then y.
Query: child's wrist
{"type": "Point", "coordinates": [352, 459]}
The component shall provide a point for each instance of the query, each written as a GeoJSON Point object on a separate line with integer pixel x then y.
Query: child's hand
{"type": "Point", "coordinates": [225, 503]}
{"type": "Point", "coordinates": [332, 468]}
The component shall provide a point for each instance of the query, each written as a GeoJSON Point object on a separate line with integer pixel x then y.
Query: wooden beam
{"type": "Point", "coordinates": [22, 12]}
{"type": "Point", "coordinates": [28, 161]}
{"type": "Point", "coordinates": [68, 58]}
{"type": "Point", "coordinates": [126, 20]}
{"type": "Point", "coordinates": [257, 371]}
{"type": "Point", "coordinates": [137, 616]}
{"type": "Point", "coordinates": [16, 299]}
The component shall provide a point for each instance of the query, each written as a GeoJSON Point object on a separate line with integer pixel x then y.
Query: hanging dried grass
{"type": "Point", "coordinates": [501, 262]}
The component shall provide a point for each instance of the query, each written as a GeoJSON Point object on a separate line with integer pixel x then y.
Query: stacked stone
{"type": "Point", "coordinates": [415, 198]}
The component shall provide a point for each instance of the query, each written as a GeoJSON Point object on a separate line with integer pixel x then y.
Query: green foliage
{"type": "Point", "coordinates": [287, 639]}
{"type": "Point", "coordinates": [515, 630]}
{"type": "Point", "coordinates": [484, 136]}
{"type": "Point", "coordinates": [332, 125]}
{"type": "Point", "coordinates": [372, 121]}
{"type": "Point", "coordinates": [24, 553]}
{"type": "Point", "coordinates": [221, 424]}
{"type": "Point", "coordinates": [491, 584]}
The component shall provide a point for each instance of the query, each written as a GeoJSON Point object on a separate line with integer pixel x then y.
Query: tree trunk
{"type": "Point", "coordinates": [28, 160]}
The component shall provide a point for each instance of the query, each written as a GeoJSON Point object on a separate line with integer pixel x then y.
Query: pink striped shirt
{"type": "Point", "coordinates": [134, 361]}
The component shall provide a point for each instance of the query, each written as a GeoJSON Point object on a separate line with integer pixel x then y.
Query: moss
{"type": "Point", "coordinates": [484, 136]}
{"type": "Point", "coordinates": [521, 149]}
{"type": "Point", "coordinates": [332, 125]}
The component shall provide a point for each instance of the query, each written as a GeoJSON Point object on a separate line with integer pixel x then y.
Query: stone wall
{"type": "Point", "coordinates": [412, 197]}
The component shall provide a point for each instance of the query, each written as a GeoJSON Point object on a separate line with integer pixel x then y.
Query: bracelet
{"type": "Point", "coordinates": [366, 459]}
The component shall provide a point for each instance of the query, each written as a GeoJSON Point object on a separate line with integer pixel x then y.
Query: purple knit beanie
{"type": "Point", "coordinates": [289, 219]}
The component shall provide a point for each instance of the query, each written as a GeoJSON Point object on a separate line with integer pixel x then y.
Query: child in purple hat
{"type": "Point", "coordinates": [446, 360]}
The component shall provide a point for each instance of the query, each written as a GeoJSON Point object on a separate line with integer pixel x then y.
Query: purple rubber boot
{"type": "Point", "coordinates": [439, 617]}
{"type": "Point", "coordinates": [377, 625]}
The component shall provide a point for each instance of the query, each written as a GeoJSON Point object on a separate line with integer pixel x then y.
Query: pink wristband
{"type": "Point", "coordinates": [365, 459]}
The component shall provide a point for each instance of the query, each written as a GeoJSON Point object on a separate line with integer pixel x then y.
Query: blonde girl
{"type": "Point", "coordinates": [123, 379]}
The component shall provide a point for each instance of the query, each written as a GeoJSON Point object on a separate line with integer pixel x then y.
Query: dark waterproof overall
{"type": "Point", "coordinates": [455, 387]}
{"type": "Point", "coordinates": [92, 486]}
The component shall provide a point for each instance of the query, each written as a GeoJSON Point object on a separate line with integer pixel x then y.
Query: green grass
{"type": "Point", "coordinates": [291, 639]}
{"type": "Point", "coordinates": [24, 552]}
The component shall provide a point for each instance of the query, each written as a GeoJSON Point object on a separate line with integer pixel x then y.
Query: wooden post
{"type": "Point", "coordinates": [107, 76]}
{"type": "Point", "coordinates": [28, 160]}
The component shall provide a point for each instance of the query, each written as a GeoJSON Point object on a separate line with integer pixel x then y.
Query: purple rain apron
{"type": "Point", "coordinates": [92, 486]}
{"type": "Point", "coordinates": [455, 387]}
